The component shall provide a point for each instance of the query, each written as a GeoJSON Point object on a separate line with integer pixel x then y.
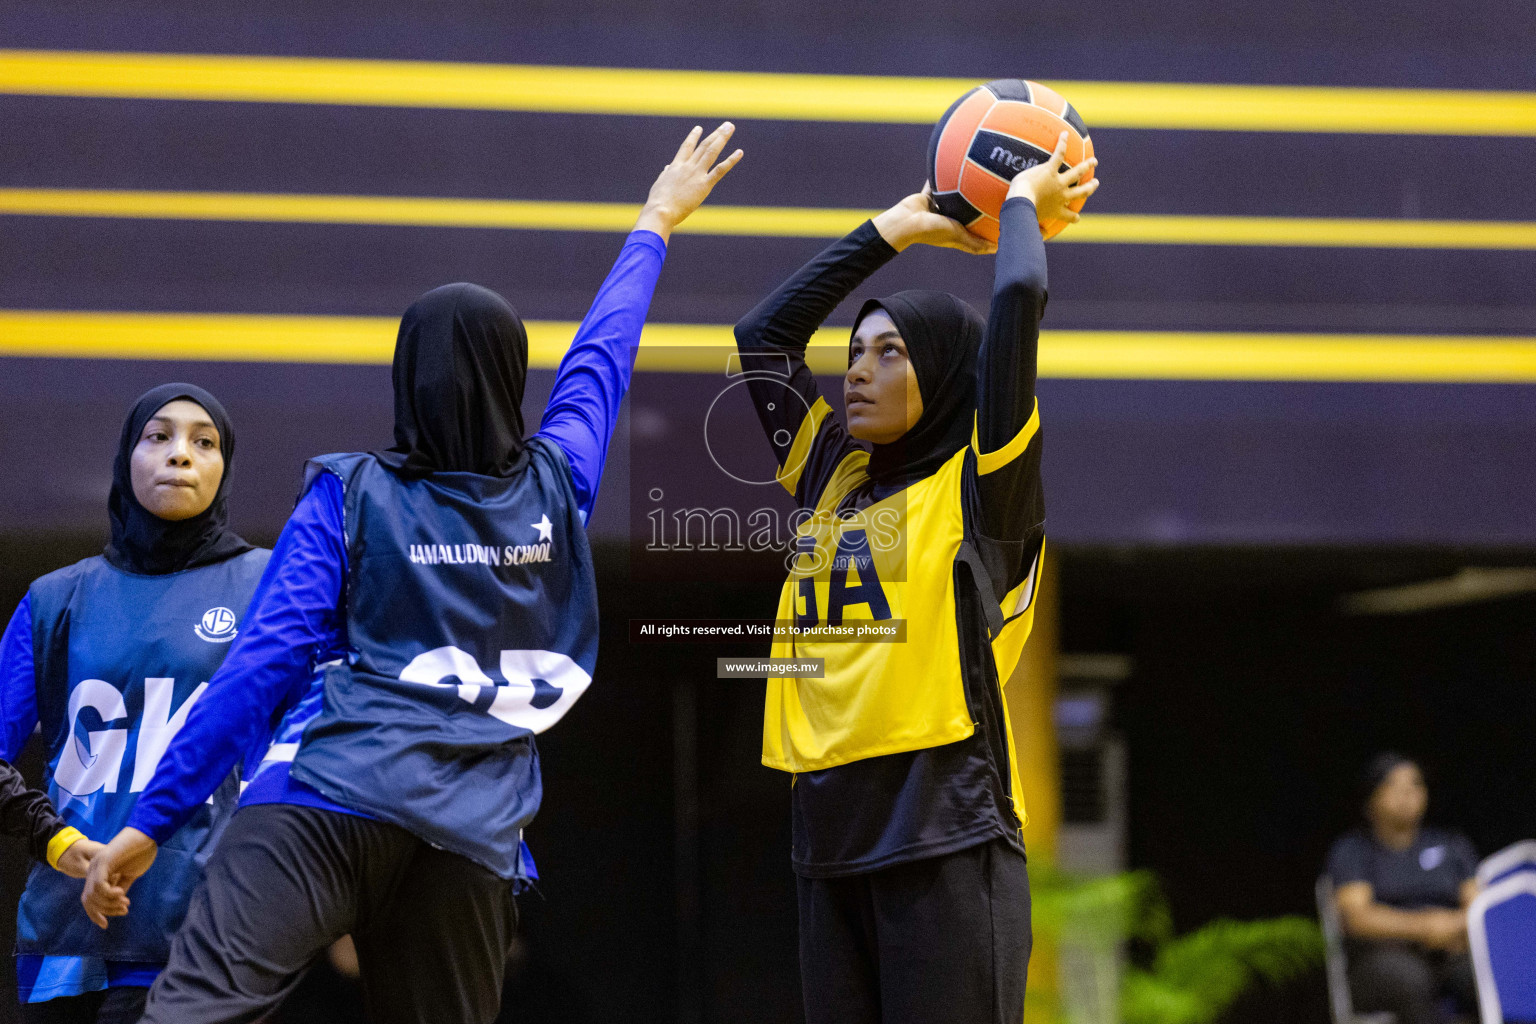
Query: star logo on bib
{"type": "Point", "coordinates": [545, 528]}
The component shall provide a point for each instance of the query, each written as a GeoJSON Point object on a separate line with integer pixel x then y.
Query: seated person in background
{"type": "Point", "coordinates": [1402, 891]}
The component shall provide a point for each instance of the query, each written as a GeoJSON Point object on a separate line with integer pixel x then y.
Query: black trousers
{"type": "Point", "coordinates": [943, 940]}
{"type": "Point", "coordinates": [432, 929]}
{"type": "Point", "coordinates": [121, 1005]}
{"type": "Point", "coordinates": [1409, 980]}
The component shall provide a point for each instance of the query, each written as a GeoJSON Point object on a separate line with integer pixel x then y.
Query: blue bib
{"type": "Point", "coordinates": [472, 616]}
{"type": "Point", "coordinates": [119, 660]}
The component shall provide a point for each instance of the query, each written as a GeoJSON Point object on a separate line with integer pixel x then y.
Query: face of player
{"type": "Point", "coordinates": [177, 464]}
{"type": "Point", "coordinates": [880, 394]}
{"type": "Point", "coordinates": [1402, 798]}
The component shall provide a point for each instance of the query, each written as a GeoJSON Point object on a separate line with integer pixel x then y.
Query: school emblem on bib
{"type": "Point", "coordinates": [218, 626]}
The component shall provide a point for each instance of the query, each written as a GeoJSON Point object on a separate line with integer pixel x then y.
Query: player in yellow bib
{"type": "Point", "coordinates": [924, 514]}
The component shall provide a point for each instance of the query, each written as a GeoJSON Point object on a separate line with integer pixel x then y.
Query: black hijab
{"type": "Point", "coordinates": [144, 543]}
{"type": "Point", "coordinates": [460, 364]}
{"type": "Point", "coordinates": [943, 336]}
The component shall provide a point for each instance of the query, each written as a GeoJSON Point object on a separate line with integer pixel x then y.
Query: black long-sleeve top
{"type": "Point", "coordinates": [775, 334]}
{"type": "Point", "coordinates": [872, 813]}
{"type": "Point", "coordinates": [26, 813]}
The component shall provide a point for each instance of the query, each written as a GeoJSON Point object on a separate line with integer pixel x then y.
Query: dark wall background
{"type": "Point", "coordinates": [1479, 44]}
{"type": "Point", "coordinates": [1133, 462]}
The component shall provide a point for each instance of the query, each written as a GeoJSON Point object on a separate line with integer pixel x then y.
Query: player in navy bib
{"type": "Point", "coordinates": [108, 657]}
{"type": "Point", "coordinates": [428, 610]}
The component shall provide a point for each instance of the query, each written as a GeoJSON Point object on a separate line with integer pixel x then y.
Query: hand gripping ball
{"type": "Point", "coordinates": [991, 134]}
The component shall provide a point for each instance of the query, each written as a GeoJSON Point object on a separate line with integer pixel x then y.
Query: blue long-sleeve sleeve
{"type": "Point", "coordinates": [18, 682]}
{"type": "Point", "coordinates": [295, 620]}
{"type": "Point", "coordinates": [594, 375]}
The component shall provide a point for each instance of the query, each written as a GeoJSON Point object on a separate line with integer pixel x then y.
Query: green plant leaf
{"type": "Point", "coordinates": [1198, 976]}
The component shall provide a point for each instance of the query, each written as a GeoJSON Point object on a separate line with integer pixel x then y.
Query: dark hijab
{"type": "Point", "coordinates": [943, 336]}
{"type": "Point", "coordinates": [144, 543]}
{"type": "Point", "coordinates": [460, 364]}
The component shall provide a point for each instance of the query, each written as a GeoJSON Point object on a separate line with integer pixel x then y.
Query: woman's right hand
{"type": "Point", "coordinates": [914, 222]}
{"type": "Point", "coordinates": [76, 860]}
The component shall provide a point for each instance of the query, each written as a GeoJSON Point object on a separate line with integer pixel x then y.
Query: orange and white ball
{"type": "Point", "coordinates": [991, 134]}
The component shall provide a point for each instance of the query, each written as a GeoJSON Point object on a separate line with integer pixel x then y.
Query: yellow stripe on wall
{"type": "Point", "coordinates": [1330, 232]}
{"type": "Point", "coordinates": [202, 336]}
{"type": "Point", "coordinates": [418, 212]}
{"type": "Point", "coordinates": [1169, 355]}
{"type": "Point", "coordinates": [747, 221]}
{"type": "Point", "coordinates": [1108, 355]}
{"type": "Point", "coordinates": [734, 94]}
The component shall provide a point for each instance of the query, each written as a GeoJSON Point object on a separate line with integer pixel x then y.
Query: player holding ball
{"type": "Point", "coordinates": [912, 885]}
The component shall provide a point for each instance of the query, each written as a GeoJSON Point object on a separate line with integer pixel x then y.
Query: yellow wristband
{"type": "Point", "coordinates": [67, 836]}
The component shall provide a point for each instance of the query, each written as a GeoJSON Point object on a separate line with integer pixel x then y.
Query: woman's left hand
{"type": "Point", "coordinates": [1051, 190]}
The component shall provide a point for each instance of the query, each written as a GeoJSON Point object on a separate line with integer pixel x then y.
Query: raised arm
{"type": "Point", "coordinates": [1006, 367]}
{"type": "Point", "coordinates": [807, 442]}
{"type": "Point", "coordinates": [1006, 439]}
{"type": "Point", "coordinates": [294, 617]}
{"type": "Point", "coordinates": [594, 375]}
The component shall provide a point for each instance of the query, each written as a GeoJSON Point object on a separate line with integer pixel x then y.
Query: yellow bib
{"type": "Point", "coordinates": [893, 561]}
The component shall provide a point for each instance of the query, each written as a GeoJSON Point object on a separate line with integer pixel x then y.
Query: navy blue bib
{"type": "Point", "coordinates": [472, 614]}
{"type": "Point", "coordinates": [119, 661]}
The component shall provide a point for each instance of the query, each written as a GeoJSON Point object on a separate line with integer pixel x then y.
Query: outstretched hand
{"type": "Point", "coordinates": [913, 221]}
{"type": "Point", "coordinates": [113, 869]}
{"type": "Point", "coordinates": [1051, 190]}
{"type": "Point", "coordinates": [686, 182]}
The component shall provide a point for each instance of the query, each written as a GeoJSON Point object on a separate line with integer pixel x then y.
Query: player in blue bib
{"type": "Point", "coordinates": [109, 656]}
{"type": "Point", "coordinates": [428, 610]}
